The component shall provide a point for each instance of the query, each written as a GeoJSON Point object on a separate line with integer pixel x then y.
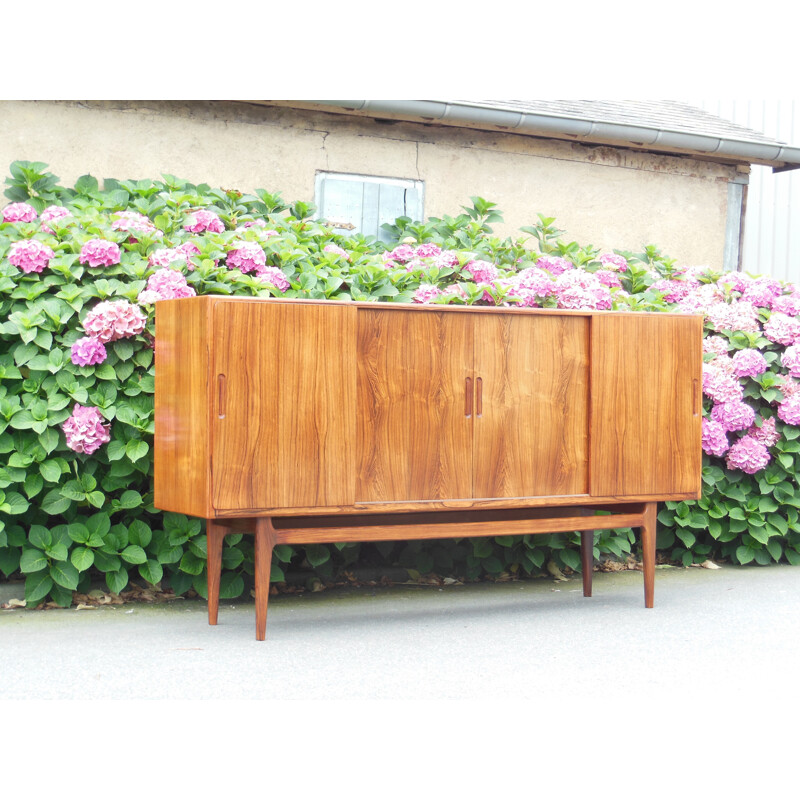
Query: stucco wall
{"type": "Point", "coordinates": [605, 196]}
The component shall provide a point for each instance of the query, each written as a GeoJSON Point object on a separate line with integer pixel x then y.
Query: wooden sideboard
{"type": "Point", "coordinates": [310, 421]}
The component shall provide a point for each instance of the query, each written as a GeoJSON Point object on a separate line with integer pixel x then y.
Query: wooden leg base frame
{"type": "Point", "coordinates": [270, 531]}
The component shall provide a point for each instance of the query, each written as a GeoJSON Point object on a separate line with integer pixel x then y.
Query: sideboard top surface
{"type": "Point", "coordinates": [461, 309]}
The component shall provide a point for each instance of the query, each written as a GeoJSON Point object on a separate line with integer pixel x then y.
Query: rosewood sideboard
{"type": "Point", "coordinates": [310, 421]}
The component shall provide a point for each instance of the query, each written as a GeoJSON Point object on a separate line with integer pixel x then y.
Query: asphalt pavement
{"type": "Point", "coordinates": [713, 636]}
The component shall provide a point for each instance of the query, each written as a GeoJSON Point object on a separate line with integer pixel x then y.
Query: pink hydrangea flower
{"type": "Point", "coordinates": [782, 329]}
{"type": "Point", "coordinates": [134, 221]}
{"type": "Point", "coordinates": [426, 293]}
{"type": "Point", "coordinates": [748, 363]}
{"type": "Point", "coordinates": [736, 316]}
{"type": "Point", "coordinates": [88, 351]}
{"type": "Point", "coordinates": [790, 358]}
{"type": "Point", "coordinates": [789, 387]}
{"type": "Point", "coordinates": [30, 255]}
{"type": "Point", "coordinates": [614, 262]}
{"type": "Point", "coordinates": [257, 223]}
{"type": "Point", "coordinates": [52, 213]}
{"type": "Point", "coordinates": [733, 281]}
{"type": "Point", "coordinates": [100, 253]}
{"type": "Point", "coordinates": [163, 257]}
{"type": "Point", "coordinates": [274, 277]}
{"type": "Point", "coordinates": [724, 364]}
{"type": "Point", "coordinates": [248, 257]}
{"type": "Point", "coordinates": [401, 253]}
{"type": "Point", "coordinates": [482, 271]}
{"type": "Point", "coordinates": [336, 250]}
{"type": "Point", "coordinates": [733, 415]}
{"type": "Point", "coordinates": [705, 297]}
{"type": "Point", "coordinates": [114, 319]}
{"type": "Point", "coordinates": [715, 440]}
{"type": "Point", "coordinates": [789, 409]}
{"type": "Point", "coordinates": [537, 281]}
{"type": "Point", "coordinates": [577, 289]}
{"type": "Point", "coordinates": [674, 291]}
{"type": "Point", "coordinates": [19, 212]}
{"type": "Point", "coordinates": [204, 220]}
{"type": "Point", "coordinates": [428, 250]}
{"type": "Point", "coordinates": [447, 259]}
{"type": "Point", "coordinates": [525, 297]}
{"type": "Point", "coordinates": [767, 434]}
{"type": "Point", "coordinates": [715, 344]}
{"type": "Point", "coordinates": [415, 263]}
{"type": "Point", "coordinates": [788, 304]}
{"type": "Point", "coordinates": [748, 455]}
{"type": "Point", "coordinates": [555, 265]}
{"type": "Point", "coordinates": [575, 297]}
{"type": "Point", "coordinates": [168, 255]}
{"type": "Point", "coordinates": [165, 284]}
{"type": "Point", "coordinates": [762, 292]}
{"type": "Point", "coordinates": [86, 430]}
{"type": "Point", "coordinates": [531, 285]}
{"type": "Point", "coordinates": [720, 387]}
{"type": "Point", "coordinates": [609, 278]}
{"type": "Point", "coordinates": [188, 249]}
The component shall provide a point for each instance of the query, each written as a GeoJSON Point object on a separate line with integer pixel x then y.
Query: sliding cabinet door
{"type": "Point", "coordinates": [285, 390]}
{"type": "Point", "coordinates": [414, 423]}
{"type": "Point", "coordinates": [646, 405]}
{"type": "Point", "coordinates": [531, 423]}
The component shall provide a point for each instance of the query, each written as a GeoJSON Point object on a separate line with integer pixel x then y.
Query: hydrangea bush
{"type": "Point", "coordinates": [82, 269]}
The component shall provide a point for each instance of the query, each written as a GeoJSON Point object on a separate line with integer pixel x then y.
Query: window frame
{"type": "Point", "coordinates": [353, 177]}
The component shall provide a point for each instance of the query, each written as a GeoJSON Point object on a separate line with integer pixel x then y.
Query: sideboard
{"type": "Point", "coordinates": [311, 421]}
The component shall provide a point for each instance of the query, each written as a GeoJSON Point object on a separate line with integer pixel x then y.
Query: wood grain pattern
{"type": "Point", "coordinates": [532, 432]}
{"type": "Point", "coordinates": [645, 406]}
{"type": "Point", "coordinates": [285, 435]}
{"type": "Point", "coordinates": [182, 448]}
{"type": "Point", "coordinates": [414, 432]}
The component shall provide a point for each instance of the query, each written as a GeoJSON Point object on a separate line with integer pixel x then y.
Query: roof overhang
{"type": "Point", "coordinates": [728, 150]}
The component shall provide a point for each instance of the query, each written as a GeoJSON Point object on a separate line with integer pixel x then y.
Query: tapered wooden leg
{"type": "Point", "coordinates": [215, 534]}
{"type": "Point", "coordinates": [649, 553]}
{"type": "Point", "coordinates": [587, 561]}
{"type": "Point", "coordinates": [265, 541]}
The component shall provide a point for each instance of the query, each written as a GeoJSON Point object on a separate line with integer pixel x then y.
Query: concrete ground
{"type": "Point", "coordinates": [713, 636]}
{"type": "Point", "coordinates": [418, 691]}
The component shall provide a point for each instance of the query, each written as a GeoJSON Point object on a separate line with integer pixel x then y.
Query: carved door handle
{"type": "Point", "coordinates": [468, 398]}
{"type": "Point", "coordinates": [479, 398]}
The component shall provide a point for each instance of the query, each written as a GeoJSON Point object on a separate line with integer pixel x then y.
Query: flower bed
{"type": "Point", "coordinates": [81, 271]}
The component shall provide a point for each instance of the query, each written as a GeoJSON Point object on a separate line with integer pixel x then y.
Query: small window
{"type": "Point", "coordinates": [362, 203]}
